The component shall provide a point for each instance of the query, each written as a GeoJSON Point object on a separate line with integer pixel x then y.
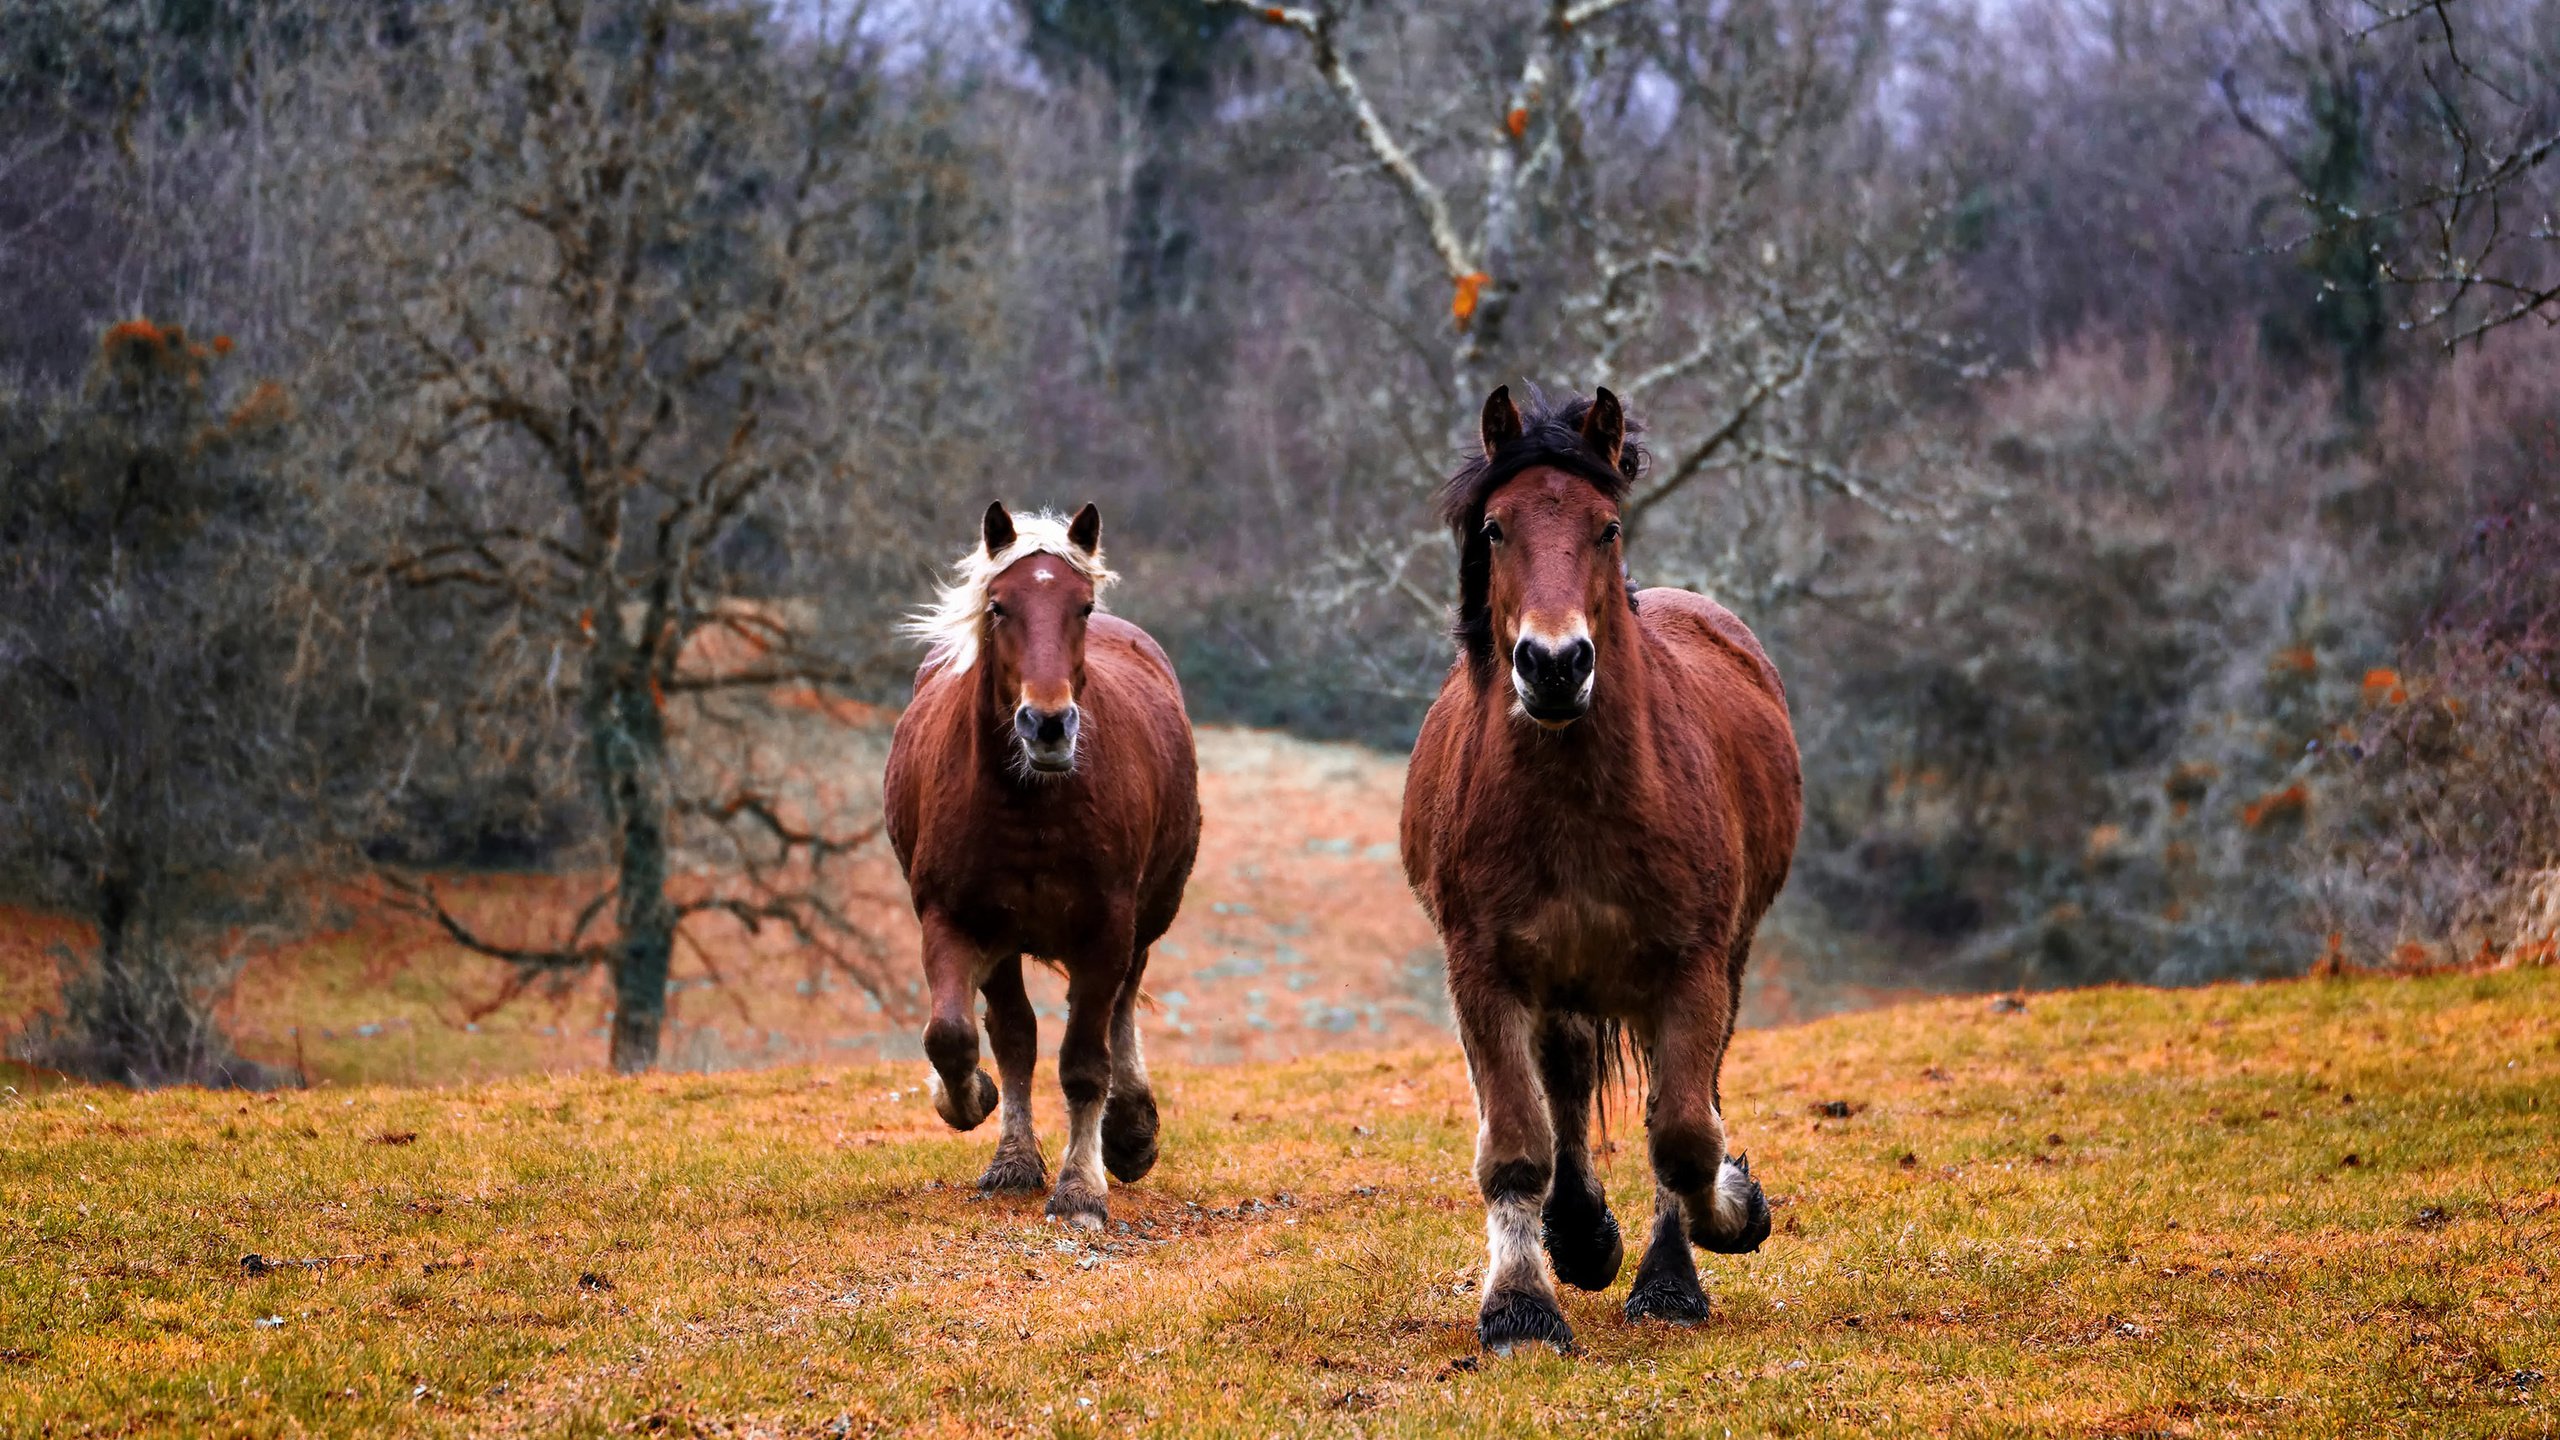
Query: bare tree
{"type": "Point", "coordinates": [2418, 133]}
{"type": "Point", "coordinates": [663, 295]}
{"type": "Point", "coordinates": [1678, 202]}
{"type": "Point", "coordinates": [2320, 103]}
{"type": "Point", "coordinates": [2478, 198]}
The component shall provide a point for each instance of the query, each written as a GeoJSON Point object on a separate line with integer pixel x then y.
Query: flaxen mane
{"type": "Point", "coordinates": [951, 625]}
{"type": "Point", "coordinates": [1550, 436]}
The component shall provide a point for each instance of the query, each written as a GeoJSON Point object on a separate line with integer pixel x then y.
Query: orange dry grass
{"type": "Point", "coordinates": [2322, 1208]}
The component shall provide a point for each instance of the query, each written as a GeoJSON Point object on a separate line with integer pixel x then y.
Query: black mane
{"type": "Point", "coordinates": [1550, 436]}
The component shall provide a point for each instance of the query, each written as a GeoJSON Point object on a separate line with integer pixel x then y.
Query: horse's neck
{"type": "Point", "coordinates": [990, 752]}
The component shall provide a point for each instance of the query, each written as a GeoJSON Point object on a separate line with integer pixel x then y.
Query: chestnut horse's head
{"type": "Point", "coordinates": [1541, 575]}
{"type": "Point", "coordinates": [1018, 604]}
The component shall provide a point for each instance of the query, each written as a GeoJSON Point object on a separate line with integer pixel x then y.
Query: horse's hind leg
{"type": "Point", "coordinates": [1580, 1234]}
{"type": "Point", "coordinates": [1013, 1032]}
{"type": "Point", "coordinates": [962, 1094]}
{"type": "Point", "coordinates": [1515, 1162]}
{"type": "Point", "coordinates": [1129, 1118]}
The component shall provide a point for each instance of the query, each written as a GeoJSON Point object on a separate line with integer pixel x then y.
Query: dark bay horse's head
{"type": "Point", "coordinates": [1036, 608]}
{"type": "Point", "coordinates": [1542, 578]}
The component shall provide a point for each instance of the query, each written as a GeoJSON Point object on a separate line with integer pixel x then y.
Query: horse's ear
{"type": "Point", "coordinates": [1085, 531]}
{"type": "Point", "coordinates": [1604, 427]}
{"type": "Point", "coordinates": [1501, 420]}
{"type": "Point", "coordinates": [998, 528]}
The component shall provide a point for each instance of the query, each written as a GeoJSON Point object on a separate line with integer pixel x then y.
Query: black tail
{"type": "Point", "coordinates": [1615, 1060]}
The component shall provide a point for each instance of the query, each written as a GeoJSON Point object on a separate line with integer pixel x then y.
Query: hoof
{"type": "Point", "coordinates": [1668, 1298]}
{"type": "Point", "coordinates": [1582, 1242]}
{"type": "Point", "coordinates": [1520, 1317]}
{"type": "Point", "coordinates": [1089, 1221]}
{"type": "Point", "coordinates": [1737, 1219]}
{"type": "Point", "coordinates": [1016, 1173]}
{"type": "Point", "coordinates": [1077, 1209]}
{"type": "Point", "coordinates": [1129, 1137]}
{"type": "Point", "coordinates": [965, 1112]}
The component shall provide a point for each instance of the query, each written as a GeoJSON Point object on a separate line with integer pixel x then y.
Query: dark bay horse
{"type": "Point", "coordinates": [1043, 799]}
{"type": "Point", "coordinates": [1603, 803]}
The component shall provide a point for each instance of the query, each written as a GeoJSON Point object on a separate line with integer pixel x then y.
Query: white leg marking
{"type": "Point", "coordinates": [1513, 1259]}
{"type": "Point", "coordinates": [1731, 1205]}
{"type": "Point", "coordinates": [942, 1102]}
{"type": "Point", "coordinates": [1128, 1058]}
{"type": "Point", "coordinates": [1082, 1167]}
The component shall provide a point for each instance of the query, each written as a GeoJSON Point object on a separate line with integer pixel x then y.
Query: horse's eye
{"type": "Point", "coordinates": [1087, 610]}
{"type": "Point", "coordinates": [994, 611]}
{"type": "Point", "coordinates": [1609, 533]}
{"type": "Point", "coordinates": [1493, 531]}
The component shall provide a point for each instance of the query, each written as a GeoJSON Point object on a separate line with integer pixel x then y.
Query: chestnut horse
{"type": "Point", "coordinates": [1603, 802]}
{"type": "Point", "coordinates": [1043, 799]}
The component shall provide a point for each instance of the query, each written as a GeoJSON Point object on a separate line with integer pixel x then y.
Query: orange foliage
{"type": "Point", "coordinates": [221, 344]}
{"type": "Point", "coordinates": [267, 405]}
{"type": "Point", "coordinates": [2289, 803]}
{"type": "Point", "coordinates": [133, 332]}
{"type": "Point", "coordinates": [1462, 305]}
{"type": "Point", "coordinates": [1517, 122]}
{"type": "Point", "coordinates": [2382, 686]}
{"type": "Point", "coordinates": [2298, 661]}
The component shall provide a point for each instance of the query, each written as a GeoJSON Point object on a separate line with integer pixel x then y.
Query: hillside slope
{"type": "Point", "coordinates": [1297, 936]}
{"type": "Point", "coordinates": [2328, 1207]}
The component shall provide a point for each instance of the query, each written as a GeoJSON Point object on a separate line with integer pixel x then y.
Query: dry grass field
{"type": "Point", "coordinates": [2321, 1208]}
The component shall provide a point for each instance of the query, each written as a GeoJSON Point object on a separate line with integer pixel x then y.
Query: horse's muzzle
{"type": "Point", "coordinates": [1048, 737]}
{"type": "Point", "coordinates": [1553, 681]}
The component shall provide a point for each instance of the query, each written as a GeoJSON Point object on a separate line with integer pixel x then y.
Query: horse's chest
{"type": "Point", "coordinates": [1582, 908]}
{"type": "Point", "coordinates": [1033, 880]}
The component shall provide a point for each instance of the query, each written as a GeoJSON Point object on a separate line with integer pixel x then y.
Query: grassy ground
{"type": "Point", "coordinates": [2330, 1207]}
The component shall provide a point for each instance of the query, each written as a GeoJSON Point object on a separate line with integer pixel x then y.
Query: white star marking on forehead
{"type": "Point", "coordinates": [1043, 575]}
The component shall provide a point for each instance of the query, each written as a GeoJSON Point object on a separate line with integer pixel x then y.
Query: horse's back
{"type": "Point", "coordinates": [1428, 783]}
{"type": "Point", "coordinates": [1699, 629]}
{"type": "Point", "coordinates": [1137, 680]}
{"type": "Point", "coordinates": [1142, 696]}
{"type": "Point", "coordinates": [921, 745]}
{"type": "Point", "coordinates": [1732, 692]}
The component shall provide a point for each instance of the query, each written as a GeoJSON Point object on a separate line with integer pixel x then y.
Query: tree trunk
{"type": "Point", "coordinates": [629, 735]}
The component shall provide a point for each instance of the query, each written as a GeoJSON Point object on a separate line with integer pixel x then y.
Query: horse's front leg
{"type": "Point", "coordinates": [1701, 1194]}
{"type": "Point", "coordinates": [1013, 1032]}
{"type": "Point", "coordinates": [1094, 979]}
{"type": "Point", "coordinates": [953, 966]}
{"type": "Point", "coordinates": [1515, 1157]}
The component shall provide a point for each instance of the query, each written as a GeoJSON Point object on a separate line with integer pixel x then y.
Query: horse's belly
{"type": "Point", "coordinates": [1583, 952]}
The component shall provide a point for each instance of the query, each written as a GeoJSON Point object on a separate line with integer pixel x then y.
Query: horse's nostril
{"type": "Point", "coordinates": [1541, 665]}
{"type": "Point", "coordinates": [1053, 728]}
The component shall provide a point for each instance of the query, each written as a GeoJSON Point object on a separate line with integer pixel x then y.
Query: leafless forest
{"type": "Point", "coordinates": [444, 436]}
